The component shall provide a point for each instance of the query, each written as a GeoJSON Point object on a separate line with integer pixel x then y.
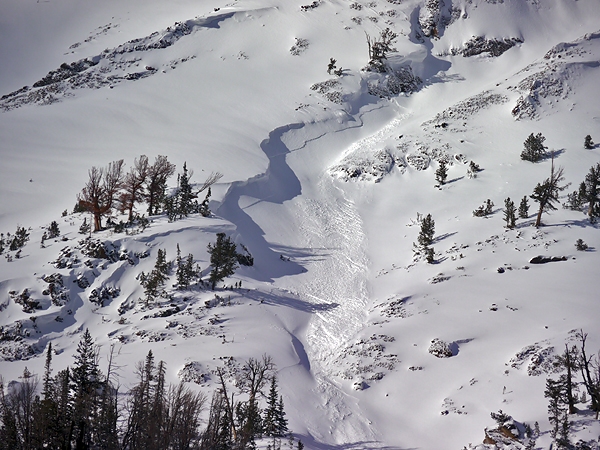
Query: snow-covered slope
{"type": "Point", "coordinates": [323, 183]}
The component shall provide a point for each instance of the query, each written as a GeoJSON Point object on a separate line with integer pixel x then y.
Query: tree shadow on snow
{"type": "Point", "coordinates": [441, 237]}
{"type": "Point", "coordinates": [281, 298]}
{"type": "Point", "coordinates": [314, 444]}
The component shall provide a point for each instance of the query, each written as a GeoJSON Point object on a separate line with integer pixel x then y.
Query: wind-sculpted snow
{"type": "Point", "coordinates": [557, 76]}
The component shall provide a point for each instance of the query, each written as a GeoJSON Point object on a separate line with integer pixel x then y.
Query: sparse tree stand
{"type": "Point", "coordinates": [546, 193]}
{"type": "Point", "coordinates": [534, 148]}
{"type": "Point", "coordinates": [223, 259]}
{"type": "Point", "coordinates": [588, 144]}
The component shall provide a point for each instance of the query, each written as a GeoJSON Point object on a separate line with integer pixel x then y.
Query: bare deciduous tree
{"type": "Point", "coordinates": [133, 185]}
{"type": "Point", "coordinates": [100, 193]}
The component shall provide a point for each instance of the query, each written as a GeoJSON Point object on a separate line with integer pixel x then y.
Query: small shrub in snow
{"type": "Point", "coordinates": [299, 47]}
{"type": "Point", "coordinates": [588, 143]}
{"type": "Point", "coordinates": [484, 210]}
{"type": "Point", "coordinates": [581, 246]}
{"type": "Point", "coordinates": [440, 349]}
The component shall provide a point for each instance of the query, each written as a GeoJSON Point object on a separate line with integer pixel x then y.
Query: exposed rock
{"type": "Point", "coordinates": [546, 259]}
{"type": "Point", "coordinates": [479, 44]}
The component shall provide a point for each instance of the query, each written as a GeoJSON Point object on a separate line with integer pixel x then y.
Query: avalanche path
{"type": "Point", "coordinates": [318, 218]}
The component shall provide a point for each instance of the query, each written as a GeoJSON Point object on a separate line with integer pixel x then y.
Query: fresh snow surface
{"type": "Point", "coordinates": [324, 184]}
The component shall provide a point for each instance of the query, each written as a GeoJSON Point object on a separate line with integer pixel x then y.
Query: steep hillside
{"type": "Point", "coordinates": [327, 175]}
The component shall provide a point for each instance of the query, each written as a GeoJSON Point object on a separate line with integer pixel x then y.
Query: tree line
{"type": "Point", "coordinates": [109, 188]}
{"type": "Point", "coordinates": [81, 408]}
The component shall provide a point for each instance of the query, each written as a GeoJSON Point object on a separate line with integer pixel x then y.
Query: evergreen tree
{"type": "Point", "coordinates": [524, 208]}
{"type": "Point", "coordinates": [588, 144]}
{"type": "Point", "coordinates": [19, 239]}
{"type": "Point", "coordinates": [555, 393]}
{"type": "Point", "coordinates": [223, 259]}
{"type": "Point", "coordinates": [182, 280]}
{"type": "Point", "coordinates": [534, 148]}
{"type": "Point", "coordinates": [570, 361]}
{"type": "Point", "coordinates": [510, 211]}
{"type": "Point", "coordinates": [53, 230]}
{"type": "Point", "coordinates": [331, 65]}
{"type": "Point", "coordinates": [85, 385]}
{"type": "Point", "coordinates": [186, 203]}
{"type": "Point", "coordinates": [155, 280]}
{"type": "Point", "coordinates": [441, 174]}
{"type": "Point", "coordinates": [427, 231]}
{"type": "Point", "coordinates": [270, 414]}
{"type": "Point", "coordinates": [590, 192]}
{"type": "Point", "coordinates": [204, 209]}
{"type": "Point", "coordinates": [425, 239]}
{"type": "Point", "coordinates": [280, 420]}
